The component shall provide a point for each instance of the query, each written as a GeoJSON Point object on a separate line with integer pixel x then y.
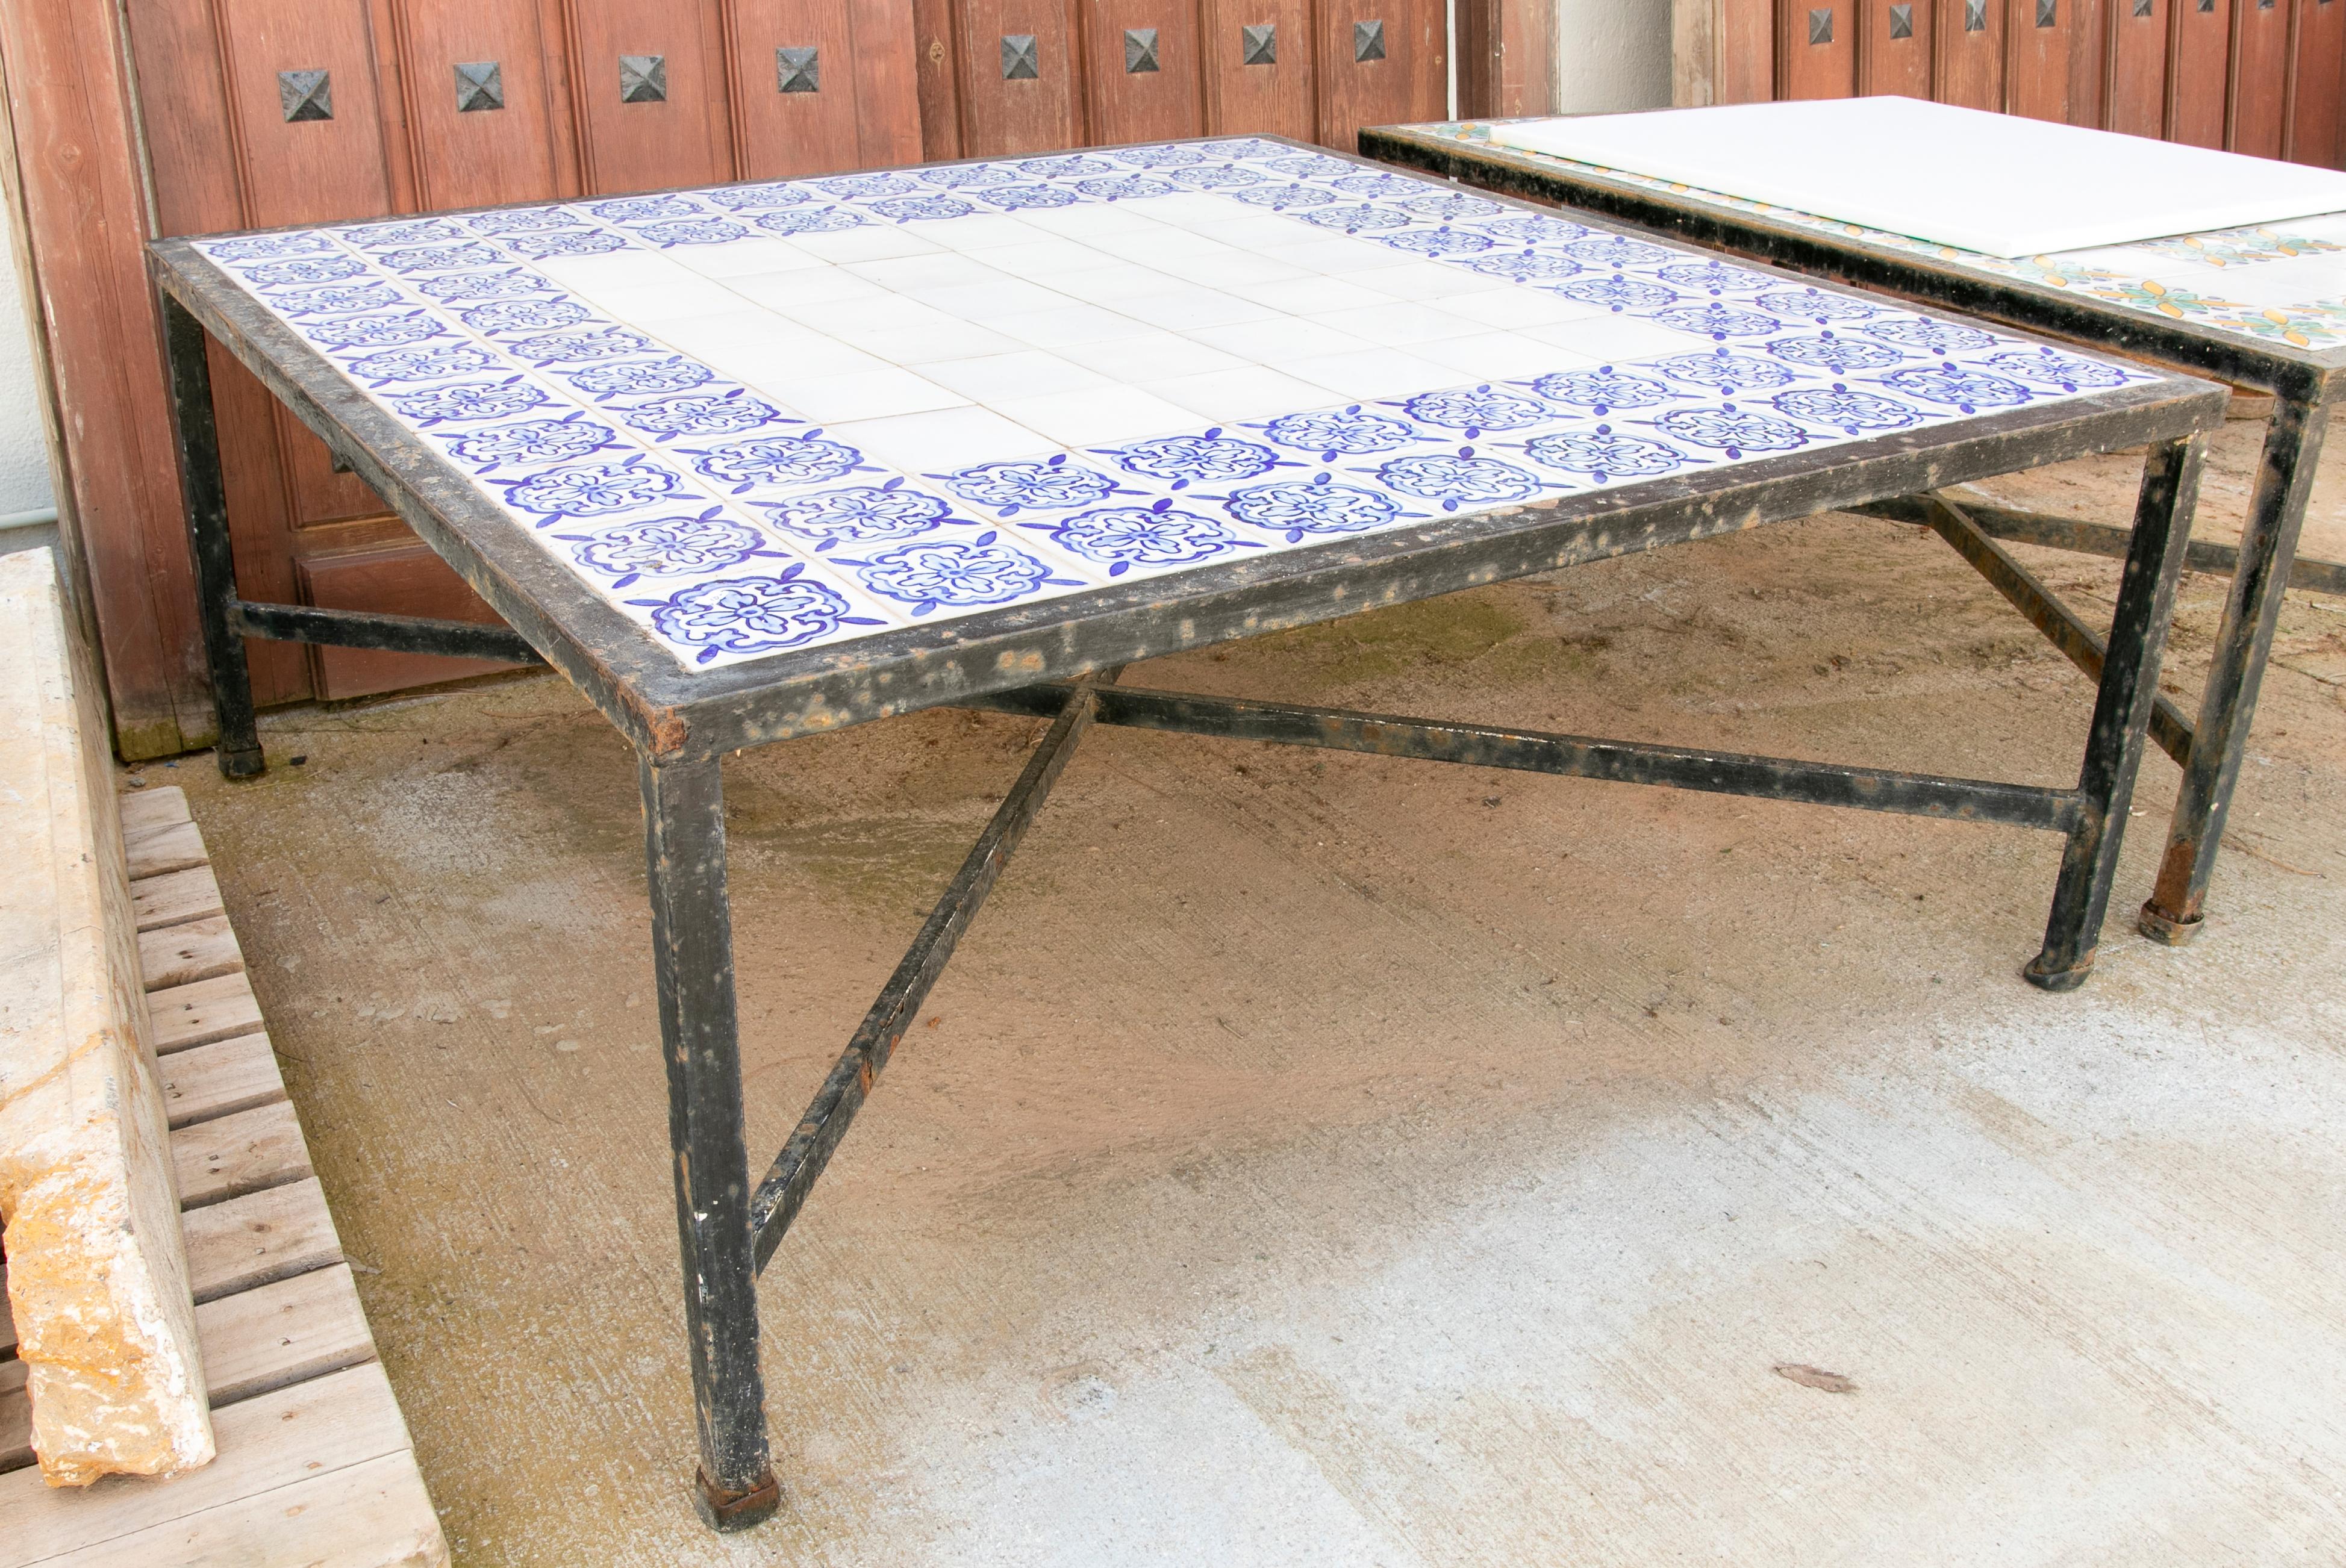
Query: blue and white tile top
{"type": "Point", "coordinates": [772, 417]}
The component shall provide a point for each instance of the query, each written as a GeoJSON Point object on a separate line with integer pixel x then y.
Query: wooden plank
{"type": "Point", "coordinates": [2138, 68]}
{"type": "Point", "coordinates": [312, 1429]}
{"type": "Point", "coordinates": [220, 1080]}
{"type": "Point", "coordinates": [1816, 49]}
{"type": "Point", "coordinates": [1744, 71]}
{"type": "Point", "coordinates": [1967, 43]}
{"type": "Point", "coordinates": [1273, 96]}
{"type": "Point", "coordinates": [175, 898]}
{"type": "Point", "coordinates": [2318, 59]}
{"type": "Point", "coordinates": [156, 851]}
{"type": "Point", "coordinates": [1006, 116]}
{"type": "Point", "coordinates": [402, 579]}
{"type": "Point", "coordinates": [1886, 62]}
{"type": "Point", "coordinates": [938, 65]}
{"type": "Point", "coordinates": [2044, 40]}
{"type": "Point", "coordinates": [248, 1152]}
{"type": "Point", "coordinates": [887, 85]}
{"type": "Point", "coordinates": [81, 181]}
{"type": "Point", "coordinates": [2257, 112]}
{"type": "Point", "coordinates": [1163, 100]}
{"type": "Point", "coordinates": [16, 1416]}
{"type": "Point", "coordinates": [1408, 83]}
{"type": "Point", "coordinates": [156, 806]}
{"type": "Point", "coordinates": [202, 1012]}
{"type": "Point", "coordinates": [249, 1241]}
{"type": "Point", "coordinates": [259, 1341]}
{"type": "Point", "coordinates": [176, 955]}
{"type": "Point", "coordinates": [371, 1515]}
{"type": "Point", "coordinates": [2199, 70]}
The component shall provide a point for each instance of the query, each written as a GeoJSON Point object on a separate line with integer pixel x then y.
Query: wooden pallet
{"type": "Point", "coordinates": [315, 1468]}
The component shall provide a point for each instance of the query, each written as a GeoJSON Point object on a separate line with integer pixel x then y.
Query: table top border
{"type": "Point", "coordinates": [676, 714]}
{"type": "Point", "coordinates": [2316, 374]}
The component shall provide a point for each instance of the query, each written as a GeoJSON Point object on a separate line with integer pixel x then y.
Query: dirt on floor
{"type": "Point", "coordinates": [1316, 1159]}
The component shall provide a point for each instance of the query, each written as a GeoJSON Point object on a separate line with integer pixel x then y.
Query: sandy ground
{"type": "Point", "coordinates": [1325, 1159]}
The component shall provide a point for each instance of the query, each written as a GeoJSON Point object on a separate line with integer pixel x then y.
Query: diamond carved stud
{"type": "Point", "coordinates": [798, 70]}
{"type": "Point", "coordinates": [643, 78]}
{"type": "Point", "coordinates": [1974, 16]}
{"type": "Point", "coordinates": [2143, 7]}
{"type": "Point", "coordinates": [1368, 42]}
{"type": "Point", "coordinates": [306, 95]}
{"type": "Point", "coordinates": [1140, 50]}
{"type": "Point", "coordinates": [2048, 13]}
{"type": "Point", "coordinates": [1901, 21]}
{"type": "Point", "coordinates": [480, 85]}
{"type": "Point", "coordinates": [1820, 25]}
{"type": "Point", "coordinates": [1019, 61]}
{"type": "Point", "coordinates": [1258, 45]}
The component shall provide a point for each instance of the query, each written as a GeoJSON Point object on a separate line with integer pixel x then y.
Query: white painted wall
{"type": "Point", "coordinates": [1612, 55]}
{"type": "Point", "coordinates": [23, 445]}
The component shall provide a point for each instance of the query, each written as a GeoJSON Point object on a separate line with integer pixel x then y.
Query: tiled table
{"type": "Point", "coordinates": [2262, 307]}
{"type": "Point", "coordinates": [759, 462]}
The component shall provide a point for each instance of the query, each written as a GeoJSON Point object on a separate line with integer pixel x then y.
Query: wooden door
{"type": "Point", "coordinates": [1894, 47]}
{"type": "Point", "coordinates": [2137, 75]}
{"type": "Point", "coordinates": [2199, 70]}
{"type": "Point", "coordinates": [2258, 94]}
{"type": "Point", "coordinates": [1817, 49]}
{"type": "Point", "coordinates": [264, 112]}
{"type": "Point", "coordinates": [1967, 40]}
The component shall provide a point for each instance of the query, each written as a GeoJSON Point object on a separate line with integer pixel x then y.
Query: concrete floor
{"type": "Point", "coordinates": [1324, 1159]}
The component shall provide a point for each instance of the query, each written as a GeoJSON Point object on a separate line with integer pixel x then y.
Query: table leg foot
{"type": "Point", "coordinates": [728, 1512]}
{"type": "Point", "coordinates": [2165, 929]}
{"type": "Point", "coordinates": [2041, 973]}
{"type": "Point", "coordinates": [241, 762]}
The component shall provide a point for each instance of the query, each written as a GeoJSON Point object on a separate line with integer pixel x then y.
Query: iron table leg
{"type": "Point", "coordinates": [692, 953]}
{"type": "Point", "coordinates": [239, 746]}
{"type": "Point", "coordinates": [2122, 708]}
{"type": "Point", "coordinates": [2275, 513]}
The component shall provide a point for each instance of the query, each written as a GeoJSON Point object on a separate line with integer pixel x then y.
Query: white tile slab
{"type": "Point", "coordinates": [1998, 184]}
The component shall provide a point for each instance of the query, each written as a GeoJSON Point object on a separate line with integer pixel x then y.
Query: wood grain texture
{"type": "Point", "coordinates": [371, 1515]}
{"type": "Point", "coordinates": [310, 1429]}
{"type": "Point", "coordinates": [156, 806]}
{"type": "Point", "coordinates": [1967, 62]}
{"type": "Point", "coordinates": [2042, 56]}
{"type": "Point", "coordinates": [173, 899]}
{"type": "Point", "coordinates": [276, 1334]}
{"type": "Point", "coordinates": [1000, 116]}
{"type": "Point", "coordinates": [936, 67]}
{"type": "Point", "coordinates": [16, 1417]}
{"type": "Point", "coordinates": [784, 133]}
{"type": "Point", "coordinates": [887, 85]}
{"type": "Point", "coordinates": [1123, 105]}
{"type": "Point", "coordinates": [1744, 31]}
{"type": "Point", "coordinates": [685, 138]}
{"type": "Point", "coordinates": [192, 951]}
{"type": "Point", "coordinates": [1807, 67]}
{"type": "Point", "coordinates": [2137, 95]}
{"type": "Point", "coordinates": [209, 1081]}
{"type": "Point", "coordinates": [1275, 97]}
{"type": "Point", "coordinates": [2256, 92]}
{"type": "Point", "coordinates": [248, 1152]}
{"type": "Point", "coordinates": [2199, 70]}
{"type": "Point", "coordinates": [405, 578]}
{"type": "Point", "coordinates": [1890, 65]}
{"type": "Point", "coordinates": [2318, 67]}
{"type": "Point", "coordinates": [185, 1016]}
{"type": "Point", "coordinates": [1411, 83]}
{"type": "Point", "coordinates": [1506, 57]}
{"type": "Point", "coordinates": [274, 1234]}
{"type": "Point", "coordinates": [85, 203]}
{"type": "Point", "coordinates": [484, 157]}
{"type": "Point", "coordinates": [152, 851]}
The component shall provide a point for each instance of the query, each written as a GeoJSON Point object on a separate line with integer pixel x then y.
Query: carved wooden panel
{"type": "Point", "coordinates": [2138, 79]}
{"type": "Point", "coordinates": [485, 111]}
{"type": "Point", "coordinates": [1967, 46]}
{"type": "Point", "coordinates": [1380, 62]}
{"type": "Point", "coordinates": [1017, 77]}
{"type": "Point", "coordinates": [1894, 47]}
{"type": "Point", "coordinates": [2199, 70]}
{"type": "Point", "coordinates": [1140, 70]}
{"type": "Point", "coordinates": [1256, 56]}
{"type": "Point", "coordinates": [648, 83]}
{"type": "Point", "coordinates": [1816, 48]}
{"type": "Point", "coordinates": [2258, 89]}
{"type": "Point", "coordinates": [2314, 120]}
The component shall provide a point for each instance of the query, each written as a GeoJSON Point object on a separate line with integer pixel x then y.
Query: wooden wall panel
{"type": "Point", "coordinates": [2318, 62]}
{"type": "Point", "coordinates": [306, 170]}
{"type": "Point", "coordinates": [1506, 57]}
{"type": "Point", "coordinates": [2090, 52]}
{"type": "Point", "coordinates": [1002, 115]}
{"type": "Point", "coordinates": [1412, 82]}
{"type": "Point", "coordinates": [2139, 31]}
{"type": "Point", "coordinates": [1894, 47]}
{"type": "Point", "coordinates": [2044, 39]}
{"type": "Point", "coordinates": [683, 138]}
{"type": "Point", "coordinates": [1816, 49]}
{"type": "Point", "coordinates": [1967, 53]}
{"type": "Point", "coordinates": [1163, 99]}
{"type": "Point", "coordinates": [782, 133]}
{"type": "Point", "coordinates": [887, 90]}
{"type": "Point", "coordinates": [68, 100]}
{"type": "Point", "coordinates": [936, 64]}
{"type": "Point", "coordinates": [1274, 98]}
{"type": "Point", "coordinates": [1746, 34]}
{"type": "Point", "coordinates": [2198, 71]}
{"type": "Point", "coordinates": [2258, 93]}
{"type": "Point", "coordinates": [399, 578]}
{"type": "Point", "coordinates": [483, 156]}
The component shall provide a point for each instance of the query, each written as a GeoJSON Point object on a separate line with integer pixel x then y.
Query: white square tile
{"type": "Point", "coordinates": [862, 394]}
{"type": "Point", "coordinates": [1373, 374]}
{"type": "Point", "coordinates": [706, 335]}
{"type": "Point", "coordinates": [1149, 356]}
{"type": "Point", "coordinates": [1608, 339]}
{"type": "Point", "coordinates": [1308, 295]}
{"type": "Point", "coordinates": [1223, 272]}
{"type": "Point", "coordinates": [1105, 284]}
{"type": "Point", "coordinates": [1091, 418]}
{"type": "Point", "coordinates": [1396, 322]}
{"type": "Point", "coordinates": [982, 302]}
{"type": "Point", "coordinates": [869, 242]}
{"type": "Point", "coordinates": [1223, 397]}
{"type": "Point", "coordinates": [912, 274]}
{"type": "Point", "coordinates": [649, 304]}
{"type": "Point", "coordinates": [1278, 339]}
{"type": "Point", "coordinates": [1038, 256]}
{"type": "Point", "coordinates": [1026, 372]}
{"type": "Point", "coordinates": [1090, 221]}
{"type": "Point", "coordinates": [801, 356]}
{"type": "Point", "coordinates": [943, 439]}
{"type": "Point", "coordinates": [1427, 280]}
{"type": "Point", "coordinates": [1065, 326]}
{"type": "Point", "coordinates": [919, 345]}
{"type": "Point", "coordinates": [1180, 308]}
{"type": "Point", "coordinates": [1165, 249]}
{"type": "Point", "coordinates": [1514, 308]}
{"type": "Point", "coordinates": [759, 255]}
{"type": "Point", "coordinates": [984, 231]}
{"type": "Point", "coordinates": [1334, 254]}
{"type": "Point", "coordinates": [1499, 356]}
{"type": "Point", "coordinates": [591, 276]}
{"type": "Point", "coordinates": [817, 285]}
